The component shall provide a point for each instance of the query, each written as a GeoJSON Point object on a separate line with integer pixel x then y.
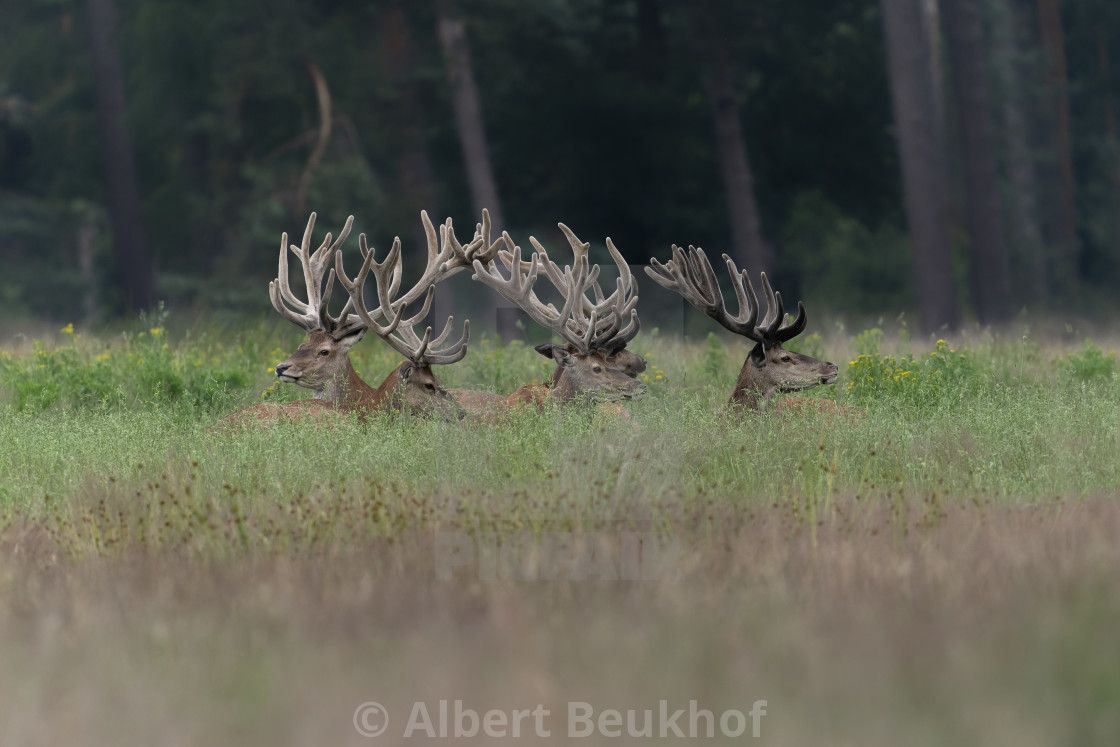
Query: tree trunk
{"type": "Point", "coordinates": [472, 137]}
{"type": "Point", "coordinates": [415, 187]}
{"type": "Point", "coordinates": [322, 138]}
{"type": "Point", "coordinates": [1053, 41]}
{"type": "Point", "coordinates": [1028, 248]}
{"type": "Point", "coordinates": [923, 160]}
{"type": "Point", "coordinates": [748, 247]}
{"type": "Point", "coordinates": [1110, 131]}
{"type": "Point", "coordinates": [651, 55]}
{"type": "Point", "coordinates": [931, 27]}
{"type": "Point", "coordinates": [989, 276]}
{"type": "Point", "coordinates": [134, 265]}
{"type": "Point", "coordinates": [87, 238]}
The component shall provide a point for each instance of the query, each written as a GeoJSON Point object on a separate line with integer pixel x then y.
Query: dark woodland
{"type": "Point", "coordinates": [953, 161]}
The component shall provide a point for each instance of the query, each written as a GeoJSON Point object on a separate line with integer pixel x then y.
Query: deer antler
{"type": "Point", "coordinates": [314, 313]}
{"type": "Point", "coordinates": [444, 260]}
{"type": "Point", "coordinates": [586, 324]}
{"type": "Point", "coordinates": [691, 275]}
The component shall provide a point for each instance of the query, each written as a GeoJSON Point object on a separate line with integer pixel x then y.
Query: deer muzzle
{"type": "Point", "coordinates": [282, 372]}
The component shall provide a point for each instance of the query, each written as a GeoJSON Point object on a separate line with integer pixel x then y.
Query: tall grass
{"type": "Point", "coordinates": [993, 418]}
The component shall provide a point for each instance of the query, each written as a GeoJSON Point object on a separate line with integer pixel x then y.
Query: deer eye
{"type": "Point", "coordinates": [785, 359]}
{"type": "Point", "coordinates": [430, 387]}
{"type": "Point", "coordinates": [597, 369]}
{"type": "Point", "coordinates": [324, 352]}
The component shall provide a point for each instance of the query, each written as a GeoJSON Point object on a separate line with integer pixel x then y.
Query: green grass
{"type": "Point", "coordinates": [997, 419]}
{"type": "Point", "coordinates": [943, 570]}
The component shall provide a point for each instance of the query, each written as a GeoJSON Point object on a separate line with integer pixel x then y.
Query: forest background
{"type": "Point", "coordinates": [953, 160]}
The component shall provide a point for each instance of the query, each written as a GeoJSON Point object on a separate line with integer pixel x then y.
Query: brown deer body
{"type": "Point", "coordinates": [769, 368]}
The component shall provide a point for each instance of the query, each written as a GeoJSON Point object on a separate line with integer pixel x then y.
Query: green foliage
{"type": "Point", "coordinates": [138, 369]}
{"type": "Point", "coordinates": [715, 358]}
{"type": "Point", "coordinates": [1090, 363]}
{"type": "Point", "coordinates": [944, 375]}
{"type": "Point", "coordinates": [868, 342]}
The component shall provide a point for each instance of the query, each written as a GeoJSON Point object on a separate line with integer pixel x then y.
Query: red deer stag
{"type": "Point", "coordinates": [323, 365]}
{"type": "Point", "coordinates": [768, 368]}
{"type": "Point", "coordinates": [593, 363]}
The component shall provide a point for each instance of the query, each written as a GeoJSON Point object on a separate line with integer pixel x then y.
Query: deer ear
{"type": "Point", "coordinates": [546, 348]}
{"type": "Point", "coordinates": [562, 357]}
{"type": "Point", "coordinates": [405, 371]}
{"type": "Point", "coordinates": [352, 339]}
{"type": "Point", "coordinates": [758, 355]}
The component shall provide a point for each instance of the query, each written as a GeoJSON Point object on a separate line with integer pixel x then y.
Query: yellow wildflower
{"type": "Point", "coordinates": [155, 331]}
{"type": "Point", "coordinates": [68, 329]}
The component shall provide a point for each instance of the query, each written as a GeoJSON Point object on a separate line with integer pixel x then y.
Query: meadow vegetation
{"type": "Point", "coordinates": [944, 569]}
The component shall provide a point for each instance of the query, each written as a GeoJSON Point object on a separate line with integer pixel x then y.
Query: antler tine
{"type": "Point", "coordinates": [608, 311]}
{"type": "Point", "coordinates": [487, 250]}
{"type": "Point", "coordinates": [452, 353]}
{"type": "Point", "coordinates": [691, 275]}
{"type": "Point", "coordinates": [588, 324]}
{"type": "Point", "coordinates": [629, 332]}
{"type": "Point", "coordinates": [622, 337]}
{"type": "Point", "coordinates": [773, 305]}
{"type": "Point", "coordinates": [313, 313]}
{"type": "Point", "coordinates": [744, 296]}
{"type": "Point", "coordinates": [554, 271]}
{"type": "Point", "coordinates": [618, 306]}
{"type": "Point", "coordinates": [280, 291]}
{"type": "Point", "coordinates": [579, 248]}
{"type": "Point", "coordinates": [518, 288]}
{"type": "Point", "coordinates": [389, 270]}
{"type": "Point", "coordinates": [678, 275]}
{"type": "Point", "coordinates": [423, 350]}
{"type": "Point", "coordinates": [796, 327]}
{"type": "Point", "coordinates": [445, 257]}
{"type": "Point", "coordinates": [773, 329]}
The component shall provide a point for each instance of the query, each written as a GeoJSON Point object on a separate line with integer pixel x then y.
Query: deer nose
{"type": "Point", "coordinates": [282, 367]}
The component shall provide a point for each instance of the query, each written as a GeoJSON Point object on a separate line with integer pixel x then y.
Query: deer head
{"type": "Point", "coordinates": [769, 368]}
{"type": "Point", "coordinates": [593, 362]}
{"type": "Point", "coordinates": [321, 364]}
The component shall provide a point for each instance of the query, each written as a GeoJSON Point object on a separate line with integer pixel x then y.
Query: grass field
{"type": "Point", "coordinates": [942, 571]}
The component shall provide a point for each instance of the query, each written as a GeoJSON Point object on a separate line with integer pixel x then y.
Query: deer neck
{"type": "Point", "coordinates": [346, 388]}
{"type": "Point", "coordinates": [390, 388]}
{"type": "Point", "coordinates": [753, 389]}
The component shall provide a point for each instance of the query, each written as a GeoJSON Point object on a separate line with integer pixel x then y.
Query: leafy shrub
{"type": "Point", "coordinates": [1090, 363]}
{"type": "Point", "coordinates": [944, 374]}
{"type": "Point", "coordinates": [141, 369]}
